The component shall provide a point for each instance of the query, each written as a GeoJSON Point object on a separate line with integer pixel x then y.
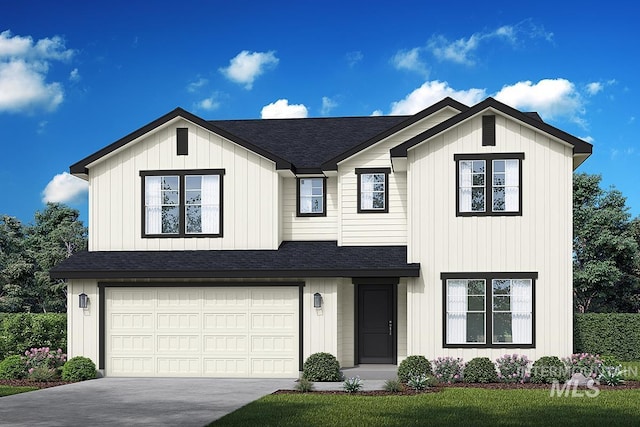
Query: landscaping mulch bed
{"type": "Point", "coordinates": [29, 383]}
{"type": "Point", "coordinates": [628, 385]}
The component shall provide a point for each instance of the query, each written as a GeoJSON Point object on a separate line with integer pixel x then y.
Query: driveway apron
{"type": "Point", "coordinates": [135, 402]}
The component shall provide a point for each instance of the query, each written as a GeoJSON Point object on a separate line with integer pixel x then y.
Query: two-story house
{"type": "Point", "coordinates": [237, 248]}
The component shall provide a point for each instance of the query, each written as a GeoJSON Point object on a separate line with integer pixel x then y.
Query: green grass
{"type": "Point", "coordinates": [6, 390]}
{"type": "Point", "coordinates": [451, 406]}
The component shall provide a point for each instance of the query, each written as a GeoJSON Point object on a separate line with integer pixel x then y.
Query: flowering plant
{"type": "Point", "coordinates": [448, 369]}
{"type": "Point", "coordinates": [587, 364]}
{"type": "Point", "coordinates": [44, 363]}
{"type": "Point", "coordinates": [513, 368]}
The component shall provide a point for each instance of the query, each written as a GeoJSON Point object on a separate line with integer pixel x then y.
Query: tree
{"type": "Point", "coordinates": [16, 268]}
{"type": "Point", "coordinates": [605, 253]}
{"type": "Point", "coordinates": [56, 235]}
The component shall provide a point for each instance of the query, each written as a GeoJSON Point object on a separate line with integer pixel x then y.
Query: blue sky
{"type": "Point", "coordinates": [76, 76]}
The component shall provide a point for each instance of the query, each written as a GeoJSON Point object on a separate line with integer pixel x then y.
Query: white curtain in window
{"type": "Point", "coordinates": [521, 311]}
{"type": "Point", "coordinates": [153, 202]}
{"type": "Point", "coordinates": [512, 185]}
{"type": "Point", "coordinates": [366, 191]}
{"type": "Point", "coordinates": [210, 204]}
{"type": "Point", "coordinates": [456, 311]}
{"type": "Point", "coordinates": [306, 188]}
{"type": "Point", "coordinates": [465, 178]}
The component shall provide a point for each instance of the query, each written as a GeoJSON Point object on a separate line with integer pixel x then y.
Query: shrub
{"type": "Point", "coordinates": [393, 385]}
{"type": "Point", "coordinates": [548, 369]}
{"type": "Point", "coordinates": [480, 370]}
{"type": "Point", "coordinates": [608, 360]}
{"type": "Point", "coordinates": [413, 365]}
{"type": "Point", "coordinates": [322, 367]}
{"type": "Point", "coordinates": [303, 385]}
{"type": "Point", "coordinates": [585, 363]}
{"type": "Point", "coordinates": [39, 360]}
{"type": "Point", "coordinates": [420, 382]}
{"type": "Point", "coordinates": [22, 331]}
{"type": "Point", "coordinates": [616, 334]}
{"type": "Point", "coordinates": [13, 368]}
{"type": "Point", "coordinates": [448, 369]}
{"type": "Point", "coordinates": [352, 385]}
{"type": "Point", "coordinates": [79, 369]}
{"type": "Point", "coordinates": [513, 368]}
{"type": "Point", "coordinates": [612, 375]}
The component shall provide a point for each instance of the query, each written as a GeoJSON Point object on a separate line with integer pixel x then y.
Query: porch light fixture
{"type": "Point", "coordinates": [317, 300]}
{"type": "Point", "coordinates": [83, 300]}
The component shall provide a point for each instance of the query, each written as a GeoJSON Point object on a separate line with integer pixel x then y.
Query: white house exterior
{"type": "Point", "coordinates": [239, 248]}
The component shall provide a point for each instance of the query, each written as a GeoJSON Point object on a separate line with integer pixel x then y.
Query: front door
{"type": "Point", "coordinates": [376, 323]}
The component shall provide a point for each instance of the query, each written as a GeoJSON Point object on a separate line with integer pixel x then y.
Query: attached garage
{"type": "Point", "coordinates": [204, 331]}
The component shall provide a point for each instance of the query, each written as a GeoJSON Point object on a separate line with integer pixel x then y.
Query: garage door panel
{"type": "Point", "coordinates": [225, 343]}
{"type": "Point", "coordinates": [225, 321]}
{"type": "Point", "coordinates": [202, 331]}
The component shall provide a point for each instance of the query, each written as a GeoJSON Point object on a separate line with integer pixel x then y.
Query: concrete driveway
{"type": "Point", "coordinates": [135, 402]}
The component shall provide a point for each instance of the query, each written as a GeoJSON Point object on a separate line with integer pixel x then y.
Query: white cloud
{"type": "Point", "coordinates": [64, 188]}
{"type": "Point", "coordinates": [354, 57]}
{"type": "Point", "coordinates": [458, 51]}
{"type": "Point", "coordinates": [328, 104]}
{"type": "Point", "coordinates": [211, 103]}
{"type": "Point", "coordinates": [282, 110]}
{"type": "Point", "coordinates": [551, 98]}
{"type": "Point", "coordinates": [74, 75]}
{"type": "Point", "coordinates": [430, 93]}
{"type": "Point", "coordinates": [589, 139]}
{"type": "Point", "coordinates": [23, 71]}
{"type": "Point", "coordinates": [194, 86]}
{"type": "Point", "coordinates": [245, 67]}
{"type": "Point", "coordinates": [376, 113]}
{"type": "Point", "coordinates": [410, 60]}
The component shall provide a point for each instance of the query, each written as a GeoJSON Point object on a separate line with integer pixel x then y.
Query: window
{"type": "Point", "coordinates": [489, 184]}
{"type": "Point", "coordinates": [312, 196]}
{"type": "Point", "coordinates": [182, 203]}
{"type": "Point", "coordinates": [489, 310]}
{"type": "Point", "coordinates": [373, 190]}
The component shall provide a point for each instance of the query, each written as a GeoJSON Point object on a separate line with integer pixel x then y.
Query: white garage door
{"type": "Point", "coordinates": [202, 331]}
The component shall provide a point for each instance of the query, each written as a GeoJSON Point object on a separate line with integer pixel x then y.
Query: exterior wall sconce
{"type": "Point", "coordinates": [317, 300]}
{"type": "Point", "coordinates": [83, 300]}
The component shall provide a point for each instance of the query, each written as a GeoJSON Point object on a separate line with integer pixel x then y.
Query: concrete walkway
{"type": "Point", "coordinates": [156, 401]}
{"type": "Point", "coordinates": [135, 402]}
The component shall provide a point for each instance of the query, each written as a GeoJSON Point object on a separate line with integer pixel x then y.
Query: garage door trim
{"type": "Point", "coordinates": [102, 305]}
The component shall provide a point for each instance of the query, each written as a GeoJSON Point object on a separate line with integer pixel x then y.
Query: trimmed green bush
{"type": "Point", "coordinates": [13, 368]}
{"type": "Point", "coordinates": [614, 334]}
{"type": "Point", "coordinates": [22, 331]}
{"type": "Point", "coordinates": [322, 367]}
{"type": "Point", "coordinates": [480, 370]}
{"type": "Point", "coordinates": [79, 369]}
{"type": "Point", "coordinates": [548, 369]}
{"type": "Point", "coordinates": [414, 366]}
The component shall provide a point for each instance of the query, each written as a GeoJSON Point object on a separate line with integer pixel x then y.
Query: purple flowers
{"type": "Point", "coordinates": [513, 368]}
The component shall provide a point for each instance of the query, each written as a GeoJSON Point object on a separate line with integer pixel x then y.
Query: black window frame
{"type": "Point", "coordinates": [324, 197]}
{"type": "Point", "coordinates": [182, 174]}
{"type": "Point", "coordinates": [371, 171]}
{"type": "Point", "coordinates": [488, 278]}
{"type": "Point", "coordinates": [489, 158]}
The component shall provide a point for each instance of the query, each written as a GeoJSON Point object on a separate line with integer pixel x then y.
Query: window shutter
{"type": "Point", "coordinates": [488, 130]}
{"type": "Point", "coordinates": [182, 137]}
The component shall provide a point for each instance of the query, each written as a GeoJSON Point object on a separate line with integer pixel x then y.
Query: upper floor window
{"type": "Point", "coordinates": [182, 203]}
{"type": "Point", "coordinates": [489, 184]}
{"type": "Point", "coordinates": [373, 189]}
{"type": "Point", "coordinates": [312, 196]}
{"type": "Point", "coordinates": [489, 309]}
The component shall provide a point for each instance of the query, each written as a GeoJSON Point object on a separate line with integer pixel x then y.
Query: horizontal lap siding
{"type": "Point", "coordinates": [539, 240]}
{"type": "Point", "coordinates": [309, 227]}
{"type": "Point", "coordinates": [250, 191]}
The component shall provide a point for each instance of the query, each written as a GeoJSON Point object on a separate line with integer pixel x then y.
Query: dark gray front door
{"type": "Point", "coordinates": [376, 328]}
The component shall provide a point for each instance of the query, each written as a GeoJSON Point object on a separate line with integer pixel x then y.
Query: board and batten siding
{"type": "Point", "coordinates": [378, 228]}
{"type": "Point", "coordinates": [309, 227]}
{"type": "Point", "coordinates": [538, 241]}
{"type": "Point", "coordinates": [250, 193]}
{"type": "Point", "coordinates": [82, 324]}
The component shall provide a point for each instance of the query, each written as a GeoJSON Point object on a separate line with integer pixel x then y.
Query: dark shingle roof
{"type": "Point", "coordinates": [308, 143]}
{"type": "Point", "coordinates": [291, 259]}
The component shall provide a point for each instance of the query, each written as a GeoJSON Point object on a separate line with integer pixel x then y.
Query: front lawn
{"type": "Point", "coordinates": [450, 406]}
{"type": "Point", "coordinates": [6, 390]}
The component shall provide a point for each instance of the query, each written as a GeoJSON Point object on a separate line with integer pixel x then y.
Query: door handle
{"type": "Point", "coordinates": [390, 327]}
